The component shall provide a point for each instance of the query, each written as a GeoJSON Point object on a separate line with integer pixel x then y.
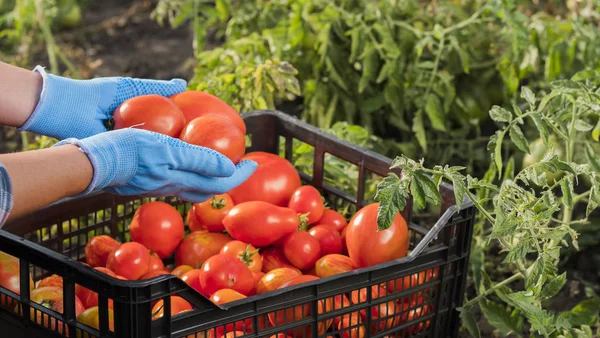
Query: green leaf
{"type": "Point", "coordinates": [518, 138]}
{"type": "Point", "coordinates": [582, 125]}
{"type": "Point", "coordinates": [504, 320]}
{"type": "Point", "coordinates": [553, 287]}
{"type": "Point", "coordinates": [536, 273]}
{"type": "Point", "coordinates": [419, 130]}
{"type": "Point", "coordinates": [498, 150]}
{"type": "Point", "coordinates": [537, 317]}
{"type": "Point", "coordinates": [541, 127]}
{"type": "Point", "coordinates": [468, 320]}
{"type": "Point", "coordinates": [566, 186]}
{"type": "Point", "coordinates": [356, 43]}
{"type": "Point", "coordinates": [585, 313]}
{"type": "Point", "coordinates": [596, 132]}
{"type": "Point", "coordinates": [392, 193]}
{"type": "Point", "coordinates": [509, 172]}
{"type": "Point", "coordinates": [428, 186]}
{"type": "Point", "coordinates": [500, 114]}
{"type": "Point", "coordinates": [460, 189]}
{"type": "Point", "coordinates": [435, 112]}
{"type": "Point", "coordinates": [519, 251]}
{"type": "Point", "coordinates": [594, 199]}
{"type": "Point", "coordinates": [528, 95]}
{"type": "Point", "coordinates": [592, 158]}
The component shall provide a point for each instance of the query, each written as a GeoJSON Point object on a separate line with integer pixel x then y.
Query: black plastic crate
{"type": "Point", "coordinates": [52, 241]}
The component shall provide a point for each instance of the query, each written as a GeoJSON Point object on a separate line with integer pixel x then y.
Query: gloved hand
{"type": "Point", "coordinates": [79, 108]}
{"type": "Point", "coordinates": [140, 162]}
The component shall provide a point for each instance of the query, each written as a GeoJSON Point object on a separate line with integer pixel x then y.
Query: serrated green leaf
{"type": "Point", "coordinates": [519, 251]}
{"type": "Point", "coordinates": [509, 171]}
{"type": "Point", "coordinates": [594, 199]}
{"type": "Point", "coordinates": [356, 45]}
{"type": "Point", "coordinates": [435, 112]}
{"type": "Point", "coordinates": [460, 189]}
{"type": "Point", "coordinates": [566, 186]}
{"type": "Point", "coordinates": [392, 193]}
{"type": "Point", "coordinates": [528, 95]}
{"type": "Point", "coordinates": [596, 132]}
{"type": "Point", "coordinates": [468, 320]}
{"type": "Point", "coordinates": [544, 102]}
{"type": "Point", "coordinates": [541, 127]}
{"type": "Point", "coordinates": [500, 114]}
{"type": "Point", "coordinates": [536, 273]}
{"type": "Point", "coordinates": [537, 317]}
{"type": "Point", "coordinates": [502, 319]}
{"type": "Point", "coordinates": [553, 287]}
{"type": "Point", "coordinates": [419, 130]}
{"type": "Point", "coordinates": [585, 313]}
{"type": "Point", "coordinates": [518, 138]}
{"type": "Point", "coordinates": [582, 125]}
{"type": "Point", "coordinates": [592, 158]}
{"type": "Point", "coordinates": [498, 150]}
{"type": "Point", "coordinates": [428, 186]}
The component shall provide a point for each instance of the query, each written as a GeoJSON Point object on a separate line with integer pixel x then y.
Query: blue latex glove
{"type": "Point", "coordinates": [140, 162]}
{"type": "Point", "coordinates": [79, 108]}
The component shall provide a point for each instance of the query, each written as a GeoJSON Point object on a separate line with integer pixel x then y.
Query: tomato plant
{"type": "Point", "coordinates": [226, 272]}
{"type": "Point", "coordinates": [260, 223]}
{"type": "Point", "coordinates": [273, 279]}
{"type": "Point", "coordinates": [209, 214]}
{"type": "Point", "coordinates": [302, 250]}
{"type": "Point", "coordinates": [333, 264]}
{"type": "Point", "coordinates": [307, 200]}
{"type": "Point", "coordinates": [158, 226]}
{"type": "Point", "coordinates": [178, 305]}
{"type": "Point", "coordinates": [130, 260]}
{"type": "Point", "coordinates": [329, 239]}
{"type": "Point", "coordinates": [150, 112]}
{"type": "Point", "coordinates": [199, 246]}
{"type": "Point", "coordinates": [98, 248]}
{"type": "Point", "coordinates": [334, 218]}
{"type": "Point", "coordinates": [216, 133]}
{"type": "Point", "coordinates": [244, 252]}
{"type": "Point", "coordinates": [274, 181]}
{"type": "Point", "coordinates": [195, 104]}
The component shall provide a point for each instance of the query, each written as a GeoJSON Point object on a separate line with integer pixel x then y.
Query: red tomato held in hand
{"type": "Point", "coordinates": [260, 223]}
{"type": "Point", "coordinates": [246, 253]}
{"type": "Point", "coordinates": [329, 239]}
{"type": "Point", "coordinates": [226, 272]}
{"type": "Point", "coordinates": [130, 260]}
{"type": "Point", "coordinates": [302, 250]}
{"type": "Point", "coordinates": [273, 258]}
{"type": "Point", "coordinates": [156, 264]}
{"type": "Point", "coordinates": [199, 246]}
{"type": "Point", "coordinates": [150, 112]}
{"type": "Point", "coordinates": [216, 133]}
{"type": "Point", "coordinates": [194, 104]}
{"type": "Point", "coordinates": [367, 246]}
{"type": "Point", "coordinates": [334, 264]}
{"type": "Point", "coordinates": [274, 181]}
{"type": "Point", "coordinates": [178, 305]}
{"type": "Point", "coordinates": [192, 278]}
{"type": "Point", "coordinates": [307, 200]}
{"type": "Point", "coordinates": [209, 214]}
{"type": "Point", "coordinates": [158, 226]}
{"type": "Point", "coordinates": [98, 248]}
{"type": "Point", "coordinates": [334, 218]}
{"type": "Point", "coordinates": [51, 297]}
{"type": "Point", "coordinates": [273, 279]}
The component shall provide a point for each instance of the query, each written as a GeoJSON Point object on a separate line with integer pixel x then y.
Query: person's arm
{"type": "Point", "coordinates": [19, 93]}
{"type": "Point", "coordinates": [38, 178]}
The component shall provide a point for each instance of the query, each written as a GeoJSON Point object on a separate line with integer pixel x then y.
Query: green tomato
{"type": "Point", "coordinates": [537, 149]}
{"type": "Point", "coordinates": [69, 14]}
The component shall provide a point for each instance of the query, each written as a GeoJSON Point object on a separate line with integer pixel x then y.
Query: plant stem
{"type": "Point", "coordinates": [48, 37]}
{"type": "Point", "coordinates": [493, 288]}
{"type": "Point", "coordinates": [481, 208]}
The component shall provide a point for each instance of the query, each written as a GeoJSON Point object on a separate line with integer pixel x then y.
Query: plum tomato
{"type": "Point", "coordinates": [150, 112]}
{"type": "Point", "coordinates": [307, 200]}
{"type": "Point", "coordinates": [332, 217]}
{"type": "Point", "coordinates": [195, 104]}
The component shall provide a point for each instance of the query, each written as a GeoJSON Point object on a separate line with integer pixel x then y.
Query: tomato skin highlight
{"type": "Point", "coordinates": [199, 246]}
{"type": "Point", "coordinates": [216, 133]}
{"type": "Point", "coordinates": [150, 112]}
{"type": "Point", "coordinates": [226, 272]}
{"type": "Point", "coordinates": [302, 250]}
{"type": "Point", "coordinates": [329, 239]}
{"type": "Point", "coordinates": [195, 104]}
{"type": "Point", "coordinates": [307, 200]}
{"type": "Point", "coordinates": [333, 264]}
{"type": "Point", "coordinates": [158, 226]}
{"type": "Point", "coordinates": [260, 223]}
{"type": "Point", "coordinates": [246, 253]}
{"type": "Point", "coordinates": [332, 217]}
{"type": "Point", "coordinates": [98, 248]}
{"type": "Point", "coordinates": [362, 237]}
{"type": "Point", "coordinates": [274, 181]}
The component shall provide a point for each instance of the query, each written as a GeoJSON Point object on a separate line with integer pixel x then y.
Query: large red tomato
{"type": "Point", "coordinates": [367, 246]}
{"type": "Point", "coordinates": [274, 181]}
{"type": "Point", "coordinates": [244, 252]}
{"type": "Point", "coordinates": [307, 200]}
{"type": "Point", "coordinates": [51, 297]}
{"type": "Point", "coordinates": [329, 239]}
{"type": "Point", "coordinates": [130, 260]}
{"type": "Point", "coordinates": [260, 223]}
{"type": "Point", "coordinates": [88, 297]}
{"type": "Point", "coordinates": [194, 104]}
{"type": "Point", "coordinates": [98, 248]}
{"type": "Point", "coordinates": [302, 250]}
{"type": "Point", "coordinates": [192, 221]}
{"type": "Point", "coordinates": [158, 226]}
{"type": "Point", "coordinates": [226, 272]}
{"type": "Point", "coordinates": [10, 277]}
{"type": "Point", "coordinates": [192, 278]}
{"type": "Point", "coordinates": [178, 305]}
{"type": "Point", "coordinates": [333, 217]}
{"type": "Point", "coordinates": [216, 133]}
{"type": "Point", "coordinates": [53, 280]}
{"type": "Point", "coordinates": [151, 112]}
{"type": "Point", "coordinates": [154, 273]}
{"type": "Point", "coordinates": [225, 296]}
{"type": "Point", "coordinates": [181, 270]}
{"type": "Point", "coordinates": [333, 264]}
{"type": "Point", "coordinates": [210, 213]}
{"type": "Point", "coordinates": [273, 279]}
{"type": "Point", "coordinates": [273, 258]}
{"type": "Point", "coordinates": [156, 264]}
{"type": "Point", "coordinates": [199, 246]}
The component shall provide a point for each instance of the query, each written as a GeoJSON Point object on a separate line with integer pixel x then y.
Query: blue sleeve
{"type": "Point", "coordinates": [6, 198]}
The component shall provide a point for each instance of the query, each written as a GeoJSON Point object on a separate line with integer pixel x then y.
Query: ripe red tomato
{"type": "Point", "coordinates": [216, 133]}
{"type": "Point", "coordinates": [51, 297]}
{"type": "Point", "coordinates": [257, 276]}
{"type": "Point", "coordinates": [156, 264]}
{"type": "Point", "coordinates": [225, 296]}
{"type": "Point", "coordinates": [367, 246]}
{"type": "Point", "coordinates": [178, 305]}
{"type": "Point", "coordinates": [274, 181]}
{"type": "Point", "coordinates": [88, 297]}
{"type": "Point", "coordinates": [383, 314]}
{"type": "Point", "coordinates": [199, 246]}
{"type": "Point", "coordinates": [273, 279]}
{"type": "Point", "coordinates": [154, 273]}
{"type": "Point", "coordinates": [414, 313]}
{"type": "Point", "coordinates": [344, 245]}
{"type": "Point", "coordinates": [192, 278]}
{"type": "Point", "coordinates": [260, 223]}
{"type": "Point", "coordinates": [334, 218]}
{"type": "Point", "coordinates": [302, 250]}
{"type": "Point", "coordinates": [360, 296]}
{"type": "Point", "coordinates": [91, 318]}
{"type": "Point", "coordinates": [273, 258]}
{"type": "Point", "coordinates": [130, 260]}
{"type": "Point", "coordinates": [194, 104]}
{"type": "Point", "coordinates": [53, 280]}
{"type": "Point", "coordinates": [98, 248]}
{"type": "Point", "coordinates": [307, 200]}
{"type": "Point", "coordinates": [244, 252]}
{"type": "Point", "coordinates": [351, 326]}
{"type": "Point", "coordinates": [10, 277]}
{"type": "Point", "coordinates": [339, 302]}
{"type": "Point", "coordinates": [181, 270]}
{"type": "Point", "coordinates": [333, 264]}
{"type": "Point", "coordinates": [158, 226]}
{"type": "Point", "coordinates": [226, 272]}
{"type": "Point", "coordinates": [329, 239]}
{"type": "Point", "coordinates": [234, 334]}
{"type": "Point", "coordinates": [209, 214]}
{"type": "Point", "coordinates": [412, 281]}
{"type": "Point", "coordinates": [150, 112]}
{"type": "Point", "coordinates": [192, 221]}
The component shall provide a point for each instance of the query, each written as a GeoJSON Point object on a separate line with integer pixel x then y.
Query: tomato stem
{"type": "Point", "coordinates": [303, 222]}
{"type": "Point", "coordinates": [218, 203]}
